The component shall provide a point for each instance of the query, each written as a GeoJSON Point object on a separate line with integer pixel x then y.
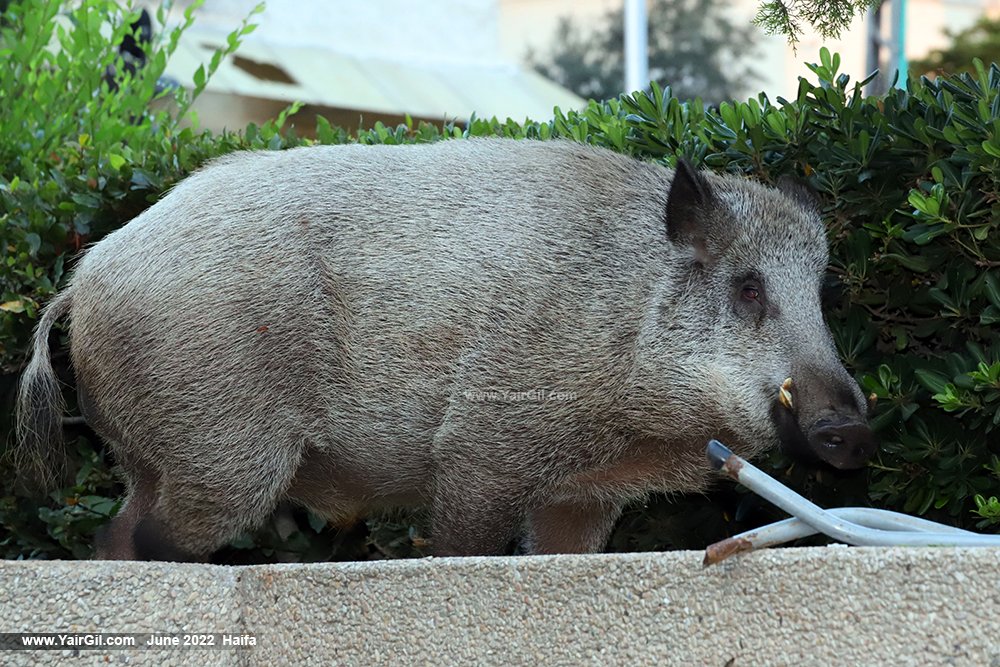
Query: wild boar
{"type": "Point", "coordinates": [520, 336]}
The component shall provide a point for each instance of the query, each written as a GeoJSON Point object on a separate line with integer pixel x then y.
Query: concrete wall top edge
{"type": "Point", "coordinates": [832, 554]}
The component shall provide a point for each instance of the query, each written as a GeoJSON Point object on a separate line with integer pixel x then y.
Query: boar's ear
{"type": "Point", "coordinates": [799, 192]}
{"type": "Point", "coordinates": [690, 197]}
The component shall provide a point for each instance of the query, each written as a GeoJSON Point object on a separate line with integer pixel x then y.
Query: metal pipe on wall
{"type": "Point", "coordinates": [863, 526]}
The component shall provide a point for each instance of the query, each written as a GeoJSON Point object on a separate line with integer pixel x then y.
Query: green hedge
{"type": "Point", "coordinates": [908, 181]}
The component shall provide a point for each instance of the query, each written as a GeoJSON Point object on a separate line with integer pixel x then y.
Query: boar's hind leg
{"type": "Point", "coordinates": [115, 541]}
{"type": "Point", "coordinates": [199, 510]}
{"type": "Point", "coordinates": [571, 527]}
{"type": "Point", "coordinates": [186, 512]}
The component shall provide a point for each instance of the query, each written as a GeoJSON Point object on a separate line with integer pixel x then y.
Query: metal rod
{"type": "Point", "coordinates": [854, 525]}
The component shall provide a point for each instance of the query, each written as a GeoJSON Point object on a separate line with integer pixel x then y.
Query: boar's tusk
{"type": "Point", "coordinates": [785, 393]}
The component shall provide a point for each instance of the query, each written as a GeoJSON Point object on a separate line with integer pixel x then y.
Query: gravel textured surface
{"type": "Point", "coordinates": [818, 606]}
{"type": "Point", "coordinates": [118, 597]}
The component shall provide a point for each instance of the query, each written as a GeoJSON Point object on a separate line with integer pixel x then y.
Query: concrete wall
{"type": "Point", "coordinates": [819, 606]}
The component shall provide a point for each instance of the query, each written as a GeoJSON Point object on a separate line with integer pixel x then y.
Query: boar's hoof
{"type": "Point", "coordinates": [844, 444]}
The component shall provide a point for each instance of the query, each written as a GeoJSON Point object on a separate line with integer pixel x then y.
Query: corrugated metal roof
{"type": "Point", "coordinates": [430, 89]}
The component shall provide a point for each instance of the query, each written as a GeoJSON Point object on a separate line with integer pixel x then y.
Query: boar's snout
{"type": "Point", "coordinates": [822, 419]}
{"type": "Point", "coordinates": [843, 443]}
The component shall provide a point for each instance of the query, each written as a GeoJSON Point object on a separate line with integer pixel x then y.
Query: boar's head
{"type": "Point", "coordinates": [750, 264]}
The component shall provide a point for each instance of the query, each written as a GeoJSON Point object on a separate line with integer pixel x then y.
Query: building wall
{"type": "Point", "coordinates": [438, 30]}
{"type": "Point", "coordinates": [357, 62]}
{"type": "Point", "coordinates": [530, 24]}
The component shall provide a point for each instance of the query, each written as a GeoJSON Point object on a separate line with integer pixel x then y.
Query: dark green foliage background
{"type": "Point", "coordinates": [910, 195]}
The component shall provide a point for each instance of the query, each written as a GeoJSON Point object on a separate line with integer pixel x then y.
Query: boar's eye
{"type": "Point", "coordinates": [750, 292]}
{"type": "Point", "coordinates": [750, 298]}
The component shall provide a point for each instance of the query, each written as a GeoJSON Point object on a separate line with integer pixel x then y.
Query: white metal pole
{"type": "Point", "coordinates": [636, 46]}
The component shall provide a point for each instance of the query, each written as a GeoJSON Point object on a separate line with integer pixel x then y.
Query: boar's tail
{"type": "Point", "coordinates": [39, 454]}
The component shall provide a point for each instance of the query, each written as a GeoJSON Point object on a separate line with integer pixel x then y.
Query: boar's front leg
{"type": "Point", "coordinates": [476, 510]}
{"type": "Point", "coordinates": [571, 527]}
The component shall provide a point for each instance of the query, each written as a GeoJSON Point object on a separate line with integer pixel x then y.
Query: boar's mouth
{"type": "Point", "coordinates": [837, 437]}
